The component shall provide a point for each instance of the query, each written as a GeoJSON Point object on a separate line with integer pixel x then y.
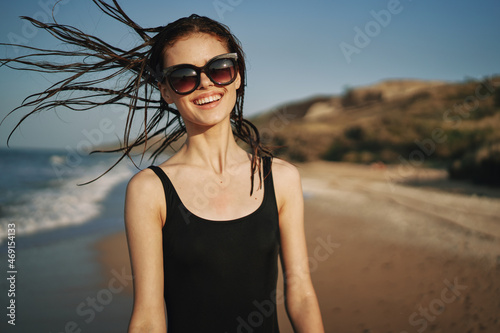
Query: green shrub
{"type": "Point", "coordinates": [481, 166]}
{"type": "Point", "coordinates": [355, 133]}
{"type": "Point", "coordinates": [496, 98]}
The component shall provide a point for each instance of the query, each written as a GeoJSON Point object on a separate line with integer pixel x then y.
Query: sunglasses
{"type": "Point", "coordinates": [184, 79]}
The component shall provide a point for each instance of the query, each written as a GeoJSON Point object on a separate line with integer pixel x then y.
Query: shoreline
{"type": "Point", "coordinates": [393, 262]}
{"type": "Point", "coordinates": [59, 280]}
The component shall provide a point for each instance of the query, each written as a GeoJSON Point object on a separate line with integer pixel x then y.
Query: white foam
{"type": "Point", "coordinates": [64, 205]}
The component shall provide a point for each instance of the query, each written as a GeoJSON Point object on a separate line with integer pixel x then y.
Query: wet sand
{"type": "Point", "coordinates": [386, 256]}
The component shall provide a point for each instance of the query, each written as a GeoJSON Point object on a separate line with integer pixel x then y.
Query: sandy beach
{"type": "Point", "coordinates": [389, 252]}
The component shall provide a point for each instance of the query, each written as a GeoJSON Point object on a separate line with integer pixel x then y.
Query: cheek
{"type": "Point", "coordinates": [181, 104]}
{"type": "Point", "coordinates": [231, 100]}
{"type": "Point", "coordinates": [165, 92]}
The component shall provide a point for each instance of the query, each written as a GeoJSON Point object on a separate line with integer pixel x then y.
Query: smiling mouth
{"type": "Point", "coordinates": [207, 100]}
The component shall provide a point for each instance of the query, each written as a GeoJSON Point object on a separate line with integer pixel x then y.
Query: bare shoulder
{"type": "Point", "coordinates": [287, 183]}
{"type": "Point", "coordinates": [145, 190]}
{"type": "Point", "coordinates": [284, 172]}
{"type": "Point", "coordinates": [145, 199]}
{"type": "Point", "coordinates": [144, 181]}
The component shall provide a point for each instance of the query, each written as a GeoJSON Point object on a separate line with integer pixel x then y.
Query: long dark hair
{"type": "Point", "coordinates": [143, 64]}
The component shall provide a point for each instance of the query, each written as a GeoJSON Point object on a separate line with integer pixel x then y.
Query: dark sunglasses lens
{"type": "Point", "coordinates": [222, 71]}
{"type": "Point", "coordinates": [183, 80]}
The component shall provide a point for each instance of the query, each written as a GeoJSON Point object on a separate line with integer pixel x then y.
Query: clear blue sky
{"type": "Point", "coordinates": [293, 49]}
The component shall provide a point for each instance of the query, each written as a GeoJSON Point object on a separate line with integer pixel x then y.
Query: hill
{"type": "Point", "coordinates": [413, 122]}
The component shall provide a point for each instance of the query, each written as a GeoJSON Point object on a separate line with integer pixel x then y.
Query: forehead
{"type": "Point", "coordinates": [194, 49]}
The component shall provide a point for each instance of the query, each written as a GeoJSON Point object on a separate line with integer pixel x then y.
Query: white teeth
{"type": "Point", "coordinates": [206, 100]}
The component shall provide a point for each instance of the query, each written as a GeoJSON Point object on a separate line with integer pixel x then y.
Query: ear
{"type": "Point", "coordinates": [238, 81]}
{"type": "Point", "coordinates": [165, 92]}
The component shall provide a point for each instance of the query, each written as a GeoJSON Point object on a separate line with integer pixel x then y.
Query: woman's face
{"type": "Point", "coordinates": [197, 50]}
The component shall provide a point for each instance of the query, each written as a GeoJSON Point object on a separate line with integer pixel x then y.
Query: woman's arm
{"type": "Point", "coordinates": [144, 213]}
{"type": "Point", "coordinates": [301, 302]}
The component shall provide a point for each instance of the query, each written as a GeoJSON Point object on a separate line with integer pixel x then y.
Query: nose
{"type": "Point", "coordinates": [205, 82]}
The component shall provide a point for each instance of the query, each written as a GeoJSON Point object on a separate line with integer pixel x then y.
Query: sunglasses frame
{"type": "Point", "coordinates": [204, 69]}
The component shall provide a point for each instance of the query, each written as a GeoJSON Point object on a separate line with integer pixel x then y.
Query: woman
{"type": "Point", "coordinates": [204, 233]}
{"type": "Point", "coordinates": [195, 234]}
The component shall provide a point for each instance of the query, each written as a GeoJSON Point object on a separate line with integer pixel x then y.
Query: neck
{"type": "Point", "coordinates": [212, 147]}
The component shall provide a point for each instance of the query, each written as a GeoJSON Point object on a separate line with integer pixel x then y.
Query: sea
{"type": "Point", "coordinates": [56, 221]}
{"type": "Point", "coordinates": [41, 191]}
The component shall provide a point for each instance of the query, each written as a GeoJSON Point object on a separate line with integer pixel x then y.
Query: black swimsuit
{"type": "Point", "coordinates": [220, 276]}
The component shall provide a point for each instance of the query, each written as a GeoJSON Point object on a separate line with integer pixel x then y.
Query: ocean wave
{"type": "Point", "coordinates": [61, 202]}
